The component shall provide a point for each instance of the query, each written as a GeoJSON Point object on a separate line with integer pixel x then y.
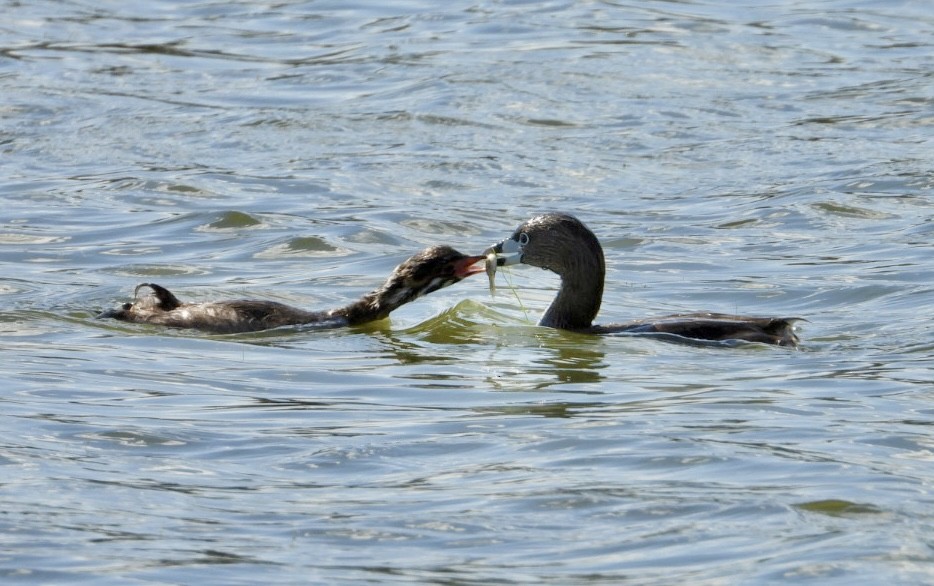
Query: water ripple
{"type": "Point", "coordinates": [769, 160]}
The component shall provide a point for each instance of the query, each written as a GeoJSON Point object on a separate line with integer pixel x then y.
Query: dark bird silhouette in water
{"type": "Point", "coordinates": [562, 244]}
{"type": "Point", "coordinates": [423, 273]}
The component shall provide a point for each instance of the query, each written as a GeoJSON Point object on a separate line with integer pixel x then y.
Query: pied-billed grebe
{"type": "Point", "coordinates": [427, 271]}
{"type": "Point", "coordinates": [564, 245]}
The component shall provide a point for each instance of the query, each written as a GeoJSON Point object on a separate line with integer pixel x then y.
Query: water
{"type": "Point", "coordinates": [769, 159]}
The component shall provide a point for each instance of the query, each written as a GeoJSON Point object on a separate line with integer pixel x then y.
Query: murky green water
{"type": "Point", "coordinates": [768, 159]}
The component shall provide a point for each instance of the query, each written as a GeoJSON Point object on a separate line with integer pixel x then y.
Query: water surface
{"type": "Point", "coordinates": [768, 159]}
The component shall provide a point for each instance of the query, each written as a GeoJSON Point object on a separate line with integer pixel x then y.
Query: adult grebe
{"type": "Point", "coordinates": [564, 245]}
{"type": "Point", "coordinates": [423, 273]}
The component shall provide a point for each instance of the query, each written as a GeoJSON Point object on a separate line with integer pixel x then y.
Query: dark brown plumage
{"type": "Point", "coordinates": [564, 245]}
{"type": "Point", "coordinates": [423, 273]}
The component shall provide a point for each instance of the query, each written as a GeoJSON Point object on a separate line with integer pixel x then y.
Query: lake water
{"type": "Point", "coordinates": [771, 158]}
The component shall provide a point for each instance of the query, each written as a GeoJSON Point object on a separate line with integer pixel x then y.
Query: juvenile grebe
{"type": "Point", "coordinates": [423, 273]}
{"type": "Point", "coordinates": [564, 245]}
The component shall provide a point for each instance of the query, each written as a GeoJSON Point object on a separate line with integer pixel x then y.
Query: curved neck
{"type": "Point", "coordinates": [581, 292]}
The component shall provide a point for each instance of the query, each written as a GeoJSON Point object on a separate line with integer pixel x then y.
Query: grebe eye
{"type": "Point", "coordinates": [523, 239]}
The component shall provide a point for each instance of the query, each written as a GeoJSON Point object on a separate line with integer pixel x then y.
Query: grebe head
{"type": "Point", "coordinates": [562, 244]}
{"type": "Point", "coordinates": [427, 271]}
{"type": "Point", "coordinates": [556, 242]}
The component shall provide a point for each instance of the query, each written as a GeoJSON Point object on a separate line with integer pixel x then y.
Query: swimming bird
{"type": "Point", "coordinates": [564, 245]}
{"type": "Point", "coordinates": [429, 270]}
